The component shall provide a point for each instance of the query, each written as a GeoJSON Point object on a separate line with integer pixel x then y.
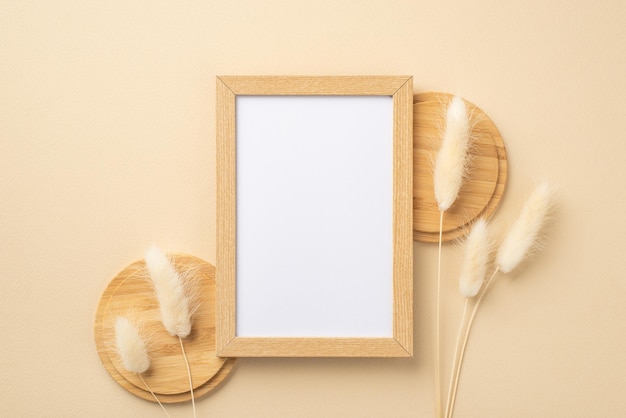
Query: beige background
{"type": "Point", "coordinates": [107, 144]}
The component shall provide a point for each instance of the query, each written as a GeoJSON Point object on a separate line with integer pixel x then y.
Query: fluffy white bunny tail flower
{"type": "Point", "coordinates": [173, 300]}
{"type": "Point", "coordinates": [474, 268]}
{"type": "Point", "coordinates": [524, 233]}
{"type": "Point", "coordinates": [473, 271]}
{"type": "Point", "coordinates": [452, 157]}
{"type": "Point", "coordinates": [130, 346]}
{"type": "Point", "coordinates": [448, 174]}
{"type": "Point", "coordinates": [516, 246]}
{"type": "Point", "coordinates": [133, 352]}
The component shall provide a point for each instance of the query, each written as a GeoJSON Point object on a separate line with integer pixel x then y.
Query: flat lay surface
{"type": "Point", "coordinates": [107, 144]}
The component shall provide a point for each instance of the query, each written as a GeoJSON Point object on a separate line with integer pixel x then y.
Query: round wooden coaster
{"type": "Point", "coordinates": [130, 294]}
{"type": "Point", "coordinates": [482, 189]}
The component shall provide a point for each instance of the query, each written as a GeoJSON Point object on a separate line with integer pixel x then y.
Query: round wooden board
{"type": "Point", "coordinates": [484, 186]}
{"type": "Point", "coordinates": [130, 294]}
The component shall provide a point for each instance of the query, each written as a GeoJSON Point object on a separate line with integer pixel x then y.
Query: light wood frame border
{"type": "Point", "coordinates": [228, 344]}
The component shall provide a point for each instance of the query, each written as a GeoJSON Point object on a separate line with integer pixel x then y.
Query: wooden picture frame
{"type": "Point", "coordinates": [276, 296]}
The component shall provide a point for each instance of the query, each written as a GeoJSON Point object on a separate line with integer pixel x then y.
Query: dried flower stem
{"type": "Point", "coordinates": [454, 372]}
{"type": "Point", "coordinates": [438, 336]}
{"type": "Point", "coordinates": [153, 395]}
{"type": "Point", "coordinates": [467, 332]}
{"type": "Point", "coordinates": [193, 400]}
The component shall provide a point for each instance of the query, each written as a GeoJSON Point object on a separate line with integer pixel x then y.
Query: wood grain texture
{"type": "Point", "coordinates": [226, 215]}
{"type": "Point", "coordinates": [307, 85]}
{"type": "Point", "coordinates": [484, 186]}
{"type": "Point", "coordinates": [402, 218]}
{"type": "Point", "coordinates": [316, 347]}
{"type": "Point", "coordinates": [130, 294]}
{"type": "Point", "coordinates": [401, 344]}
